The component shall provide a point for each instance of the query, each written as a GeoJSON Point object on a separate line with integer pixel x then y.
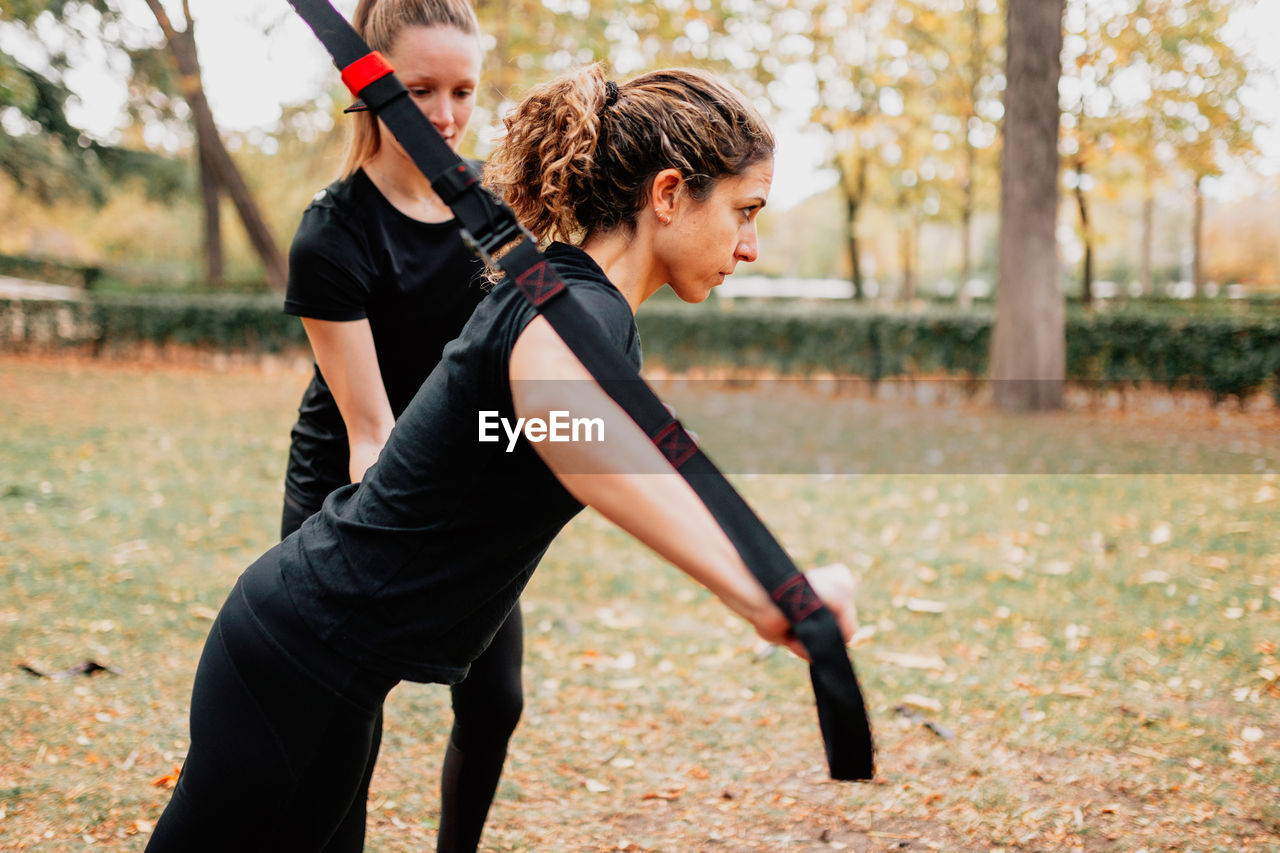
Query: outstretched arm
{"type": "Point", "coordinates": [627, 480]}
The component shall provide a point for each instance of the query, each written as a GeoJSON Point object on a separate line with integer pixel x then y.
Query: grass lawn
{"type": "Point", "coordinates": [1053, 661]}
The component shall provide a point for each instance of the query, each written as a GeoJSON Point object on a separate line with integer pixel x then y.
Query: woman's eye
{"type": "Point", "coordinates": [419, 92]}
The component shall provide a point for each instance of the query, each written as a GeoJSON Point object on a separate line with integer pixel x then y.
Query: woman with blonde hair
{"type": "Point", "coordinates": [382, 281]}
{"type": "Point", "coordinates": [409, 574]}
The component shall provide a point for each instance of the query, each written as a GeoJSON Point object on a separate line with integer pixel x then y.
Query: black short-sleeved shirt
{"type": "Point", "coordinates": [356, 257]}
{"type": "Point", "coordinates": [413, 571]}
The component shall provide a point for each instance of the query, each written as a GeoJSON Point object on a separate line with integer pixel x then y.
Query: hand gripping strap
{"type": "Point", "coordinates": [489, 226]}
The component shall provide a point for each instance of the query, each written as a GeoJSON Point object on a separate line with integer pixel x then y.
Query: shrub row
{"type": "Point", "coordinates": [226, 321]}
{"type": "Point", "coordinates": [1225, 356]}
{"type": "Point", "coordinates": [50, 270]}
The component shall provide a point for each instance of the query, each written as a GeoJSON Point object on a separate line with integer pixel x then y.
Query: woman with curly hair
{"type": "Point", "coordinates": [409, 574]}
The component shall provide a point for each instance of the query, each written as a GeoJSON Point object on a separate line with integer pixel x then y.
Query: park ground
{"type": "Point", "coordinates": [1053, 661]}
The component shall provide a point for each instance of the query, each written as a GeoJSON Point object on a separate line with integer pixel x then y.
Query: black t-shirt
{"type": "Point", "coordinates": [413, 571]}
{"type": "Point", "coordinates": [355, 256]}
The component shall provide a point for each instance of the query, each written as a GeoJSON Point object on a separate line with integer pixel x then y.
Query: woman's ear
{"type": "Point", "coordinates": [664, 192]}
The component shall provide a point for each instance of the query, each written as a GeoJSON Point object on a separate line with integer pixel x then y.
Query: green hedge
{"type": "Point", "coordinates": [226, 321]}
{"type": "Point", "coordinates": [49, 270]}
{"type": "Point", "coordinates": [1224, 356]}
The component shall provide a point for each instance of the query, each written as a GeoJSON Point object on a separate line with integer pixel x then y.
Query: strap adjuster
{"type": "Point", "coordinates": [501, 232]}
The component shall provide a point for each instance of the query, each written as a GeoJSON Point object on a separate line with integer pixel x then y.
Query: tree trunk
{"type": "Point", "coordinates": [971, 158]}
{"type": "Point", "coordinates": [1148, 237]}
{"type": "Point", "coordinates": [212, 195]}
{"type": "Point", "coordinates": [182, 45]}
{"type": "Point", "coordinates": [853, 194]}
{"type": "Point", "coordinates": [1086, 237]}
{"type": "Point", "coordinates": [907, 292]}
{"type": "Point", "coordinates": [1028, 349]}
{"type": "Point", "coordinates": [1197, 244]}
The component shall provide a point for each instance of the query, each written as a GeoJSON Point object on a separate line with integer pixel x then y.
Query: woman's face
{"type": "Point", "coordinates": [706, 239]}
{"type": "Point", "coordinates": [440, 66]}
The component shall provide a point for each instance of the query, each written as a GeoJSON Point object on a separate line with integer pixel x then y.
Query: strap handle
{"type": "Point", "coordinates": [488, 227]}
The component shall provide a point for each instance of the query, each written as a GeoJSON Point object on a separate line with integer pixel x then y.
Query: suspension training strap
{"type": "Point", "coordinates": [489, 226]}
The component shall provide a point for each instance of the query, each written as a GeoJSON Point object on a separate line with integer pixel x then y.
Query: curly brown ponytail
{"type": "Point", "coordinates": [574, 161]}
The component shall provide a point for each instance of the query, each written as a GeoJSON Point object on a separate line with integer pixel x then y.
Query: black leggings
{"type": "Point", "coordinates": [486, 708]}
{"type": "Point", "coordinates": [279, 760]}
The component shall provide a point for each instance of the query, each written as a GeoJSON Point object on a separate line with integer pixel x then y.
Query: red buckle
{"type": "Point", "coordinates": [365, 70]}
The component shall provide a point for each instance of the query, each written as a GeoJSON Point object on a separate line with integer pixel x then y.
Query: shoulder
{"type": "Point", "coordinates": [592, 290]}
{"type": "Point", "coordinates": [332, 218]}
{"type": "Point", "coordinates": [587, 281]}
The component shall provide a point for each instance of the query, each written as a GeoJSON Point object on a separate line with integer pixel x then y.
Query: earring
{"type": "Point", "coordinates": [664, 218]}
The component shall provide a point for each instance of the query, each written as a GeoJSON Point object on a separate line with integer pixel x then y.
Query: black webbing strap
{"type": "Point", "coordinates": [488, 225]}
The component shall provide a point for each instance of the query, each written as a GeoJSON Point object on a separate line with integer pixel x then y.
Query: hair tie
{"type": "Point", "coordinates": [610, 95]}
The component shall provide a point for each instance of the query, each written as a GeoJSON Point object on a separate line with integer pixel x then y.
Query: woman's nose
{"type": "Point", "coordinates": [440, 113]}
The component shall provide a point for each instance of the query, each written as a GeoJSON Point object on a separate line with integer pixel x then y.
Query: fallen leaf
{"type": "Point", "coordinates": [1075, 691]}
{"type": "Point", "coordinates": [87, 667]}
{"type": "Point", "coordinates": [1161, 533]}
{"type": "Point", "coordinates": [668, 794]}
{"type": "Point", "coordinates": [912, 661]}
{"type": "Point", "coordinates": [933, 726]}
{"type": "Point", "coordinates": [168, 780]}
{"type": "Point", "coordinates": [924, 703]}
{"type": "Point", "coordinates": [924, 605]}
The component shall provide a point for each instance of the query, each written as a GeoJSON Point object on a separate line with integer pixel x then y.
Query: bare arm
{"type": "Point", "coordinates": [627, 480]}
{"type": "Point", "coordinates": [349, 364]}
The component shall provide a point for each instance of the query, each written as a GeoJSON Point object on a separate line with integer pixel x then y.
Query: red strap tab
{"type": "Point", "coordinates": [368, 68]}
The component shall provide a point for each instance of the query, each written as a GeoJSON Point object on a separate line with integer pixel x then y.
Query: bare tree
{"type": "Point", "coordinates": [218, 171]}
{"type": "Point", "coordinates": [1028, 348]}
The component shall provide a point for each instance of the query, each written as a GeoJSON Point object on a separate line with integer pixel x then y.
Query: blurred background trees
{"type": "Point", "coordinates": [893, 111]}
